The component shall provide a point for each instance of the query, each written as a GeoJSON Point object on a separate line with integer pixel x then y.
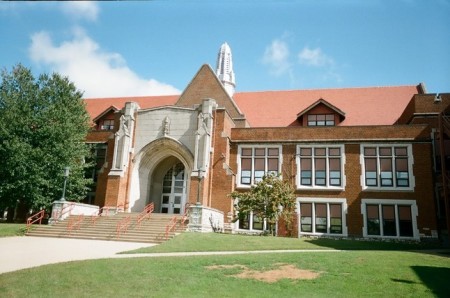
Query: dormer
{"type": "Point", "coordinates": [321, 113]}
{"type": "Point", "coordinates": [105, 121]}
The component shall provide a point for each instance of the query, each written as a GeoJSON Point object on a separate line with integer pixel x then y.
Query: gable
{"type": "Point", "coordinates": [323, 108]}
{"type": "Point", "coordinates": [205, 84]}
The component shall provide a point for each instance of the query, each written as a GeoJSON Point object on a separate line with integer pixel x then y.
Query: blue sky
{"type": "Point", "coordinates": [156, 47]}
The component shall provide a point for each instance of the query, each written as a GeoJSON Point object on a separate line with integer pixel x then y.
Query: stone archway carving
{"type": "Point", "coordinates": [147, 160]}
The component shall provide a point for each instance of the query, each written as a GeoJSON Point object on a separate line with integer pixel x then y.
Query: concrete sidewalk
{"type": "Point", "coordinates": [25, 252]}
{"type": "Point", "coordinates": [18, 253]}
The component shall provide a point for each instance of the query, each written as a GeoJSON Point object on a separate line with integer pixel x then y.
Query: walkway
{"type": "Point", "coordinates": [18, 253]}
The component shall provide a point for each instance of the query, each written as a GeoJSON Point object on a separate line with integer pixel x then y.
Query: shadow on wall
{"type": "Point", "coordinates": [435, 278]}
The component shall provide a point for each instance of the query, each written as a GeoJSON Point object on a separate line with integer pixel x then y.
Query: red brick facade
{"type": "Point", "coordinates": [230, 132]}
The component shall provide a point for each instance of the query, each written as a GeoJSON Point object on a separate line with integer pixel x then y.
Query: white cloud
{"type": "Point", "coordinates": [276, 56]}
{"type": "Point", "coordinates": [97, 72]}
{"type": "Point", "coordinates": [81, 9]}
{"type": "Point", "coordinates": [314, 57]}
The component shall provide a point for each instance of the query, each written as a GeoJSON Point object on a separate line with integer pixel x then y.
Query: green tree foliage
{"type": "Point", "coordinates": [43, 126]}
{"type": "Point", "coordinates": [270, 199]}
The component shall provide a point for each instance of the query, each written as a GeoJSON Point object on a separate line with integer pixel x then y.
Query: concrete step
{"type": "Point", "coordinates": [150, 230]}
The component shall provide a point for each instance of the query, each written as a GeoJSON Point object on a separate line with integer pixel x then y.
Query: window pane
{"type": "Point", "coordinates": [334, 151]}
{"type": "Point", "coordinates": [370, 151]}
{"type": "Point", "coordinates": [305, 171]}
{"type": "Point", "coordinates": [335, 210]}
{"type": "Point", "coordinates": [370, 164]}
{"type": "Point", "coordinates": [306, 217]}
{"type": "Point", "coordinates": [305, 164]}
{"type": "Point", "coordinates": [386, 164]}
{"type": "Point", "coordinates": [306, 209]}
{"type": "Point", "coordinates": [405, 221]}
{"type": "Point", "coordinates": [273, 151]}
{"type": "Point", "coordinates": [320, 151]}
{"type": "Point", "coordinates": [259, 164]}
{"type": "Point", "coordinates": [373, 222]}
{"type": "Point", "coordinates": [321, 210]}
{"type": "Point", "coordinates": [247, 151]}
{"type": "Point", "coordinates": [330, 117]}
{"type": "Point", "coordinates": [389, 228]}
{"type": "Point", "coordinates": [305, 151]}
{"type": "Point", "coordinates": [257, 223]}
{"type": "Point", "coordinates": [401, 151]}
{"type": "Point", "coordinates": [244, 221]}
{"type": "Point", "coordinates": [321, 218]}
{"type": "Point", "coordinates": [273, 164]}
{"type": "Point", "coordinates": [385, 151]}
{"type": "Point", "coordinates": [401, 164]}
{"type": "Point", "coordinates": [260, 151]}
{"type": "Point", "coordinates": [335, 218]}
{"type": "Point", "coordinates": [246, 163]}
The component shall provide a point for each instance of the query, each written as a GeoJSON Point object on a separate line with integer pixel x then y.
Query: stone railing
{"type": "Point", "coordinates": [205, 219]}
{"type": "Point", "coordinates": [63, 209]}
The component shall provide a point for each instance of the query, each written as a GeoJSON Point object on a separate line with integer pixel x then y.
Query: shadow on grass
{"type": "Point", "coordinates": [350, 244]}
{"type": "Point", "coordinates": [435, 278]}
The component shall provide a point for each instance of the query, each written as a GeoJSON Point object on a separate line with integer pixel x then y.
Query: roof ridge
{"type": "Point", "coordinates": [325, 89]}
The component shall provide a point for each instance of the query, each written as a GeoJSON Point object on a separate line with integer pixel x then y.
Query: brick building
{"type": "Point", "coordinates": [364, 162]}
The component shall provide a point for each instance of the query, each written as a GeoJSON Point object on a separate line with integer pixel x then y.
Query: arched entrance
{"type": "Point", "coordinates": [161, 175]}
{"type": "Point", "coordinates": [174, 190]}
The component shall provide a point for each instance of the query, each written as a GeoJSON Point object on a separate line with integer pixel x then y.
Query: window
{"type": "Point", "coordinates": [255, 162]}
{"type": "Point", "coordinates": [322, 216]}
{"type": "Point", "coordinates": [389, 218]}
{"type": "Point", "coordinates": [321, 120]}
{"type": "Point", "coordinates": [387, 166]}
{"type": "Point", "coordinates": [107, 124]}
{"type": "Point", "coordinates": [251, 222]}
{"type": "Point", "coordinates": [320, 167]}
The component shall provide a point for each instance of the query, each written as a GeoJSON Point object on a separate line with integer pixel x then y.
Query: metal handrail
{"type": "Point", "coordinates": [34, 218]}
{"type": "Point", "coordinates": [123, 226]}
{"type": "Point", "coordinates": [186, 213]}
{"type": "Point", "coordinates": [170, 226]}
{"type": "Point", "coordinates": [66, 209]}
{"type": "Point", "coordinates": [145, 213]}
{"type": "Point", "coordinates": [74, 223]}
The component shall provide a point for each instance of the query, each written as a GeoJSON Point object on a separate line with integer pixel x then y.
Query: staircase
{"type": "Point", "coordinates": [150, 230]}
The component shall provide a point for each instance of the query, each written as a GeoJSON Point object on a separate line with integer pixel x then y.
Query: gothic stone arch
{"type": "Point", "coordinates": [150, 165]}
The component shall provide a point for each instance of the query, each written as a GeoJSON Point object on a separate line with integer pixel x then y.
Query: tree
{"type": "Point", "coordinates": [270, 199]}
{"type": "Point", "coordinates": [43, 126]}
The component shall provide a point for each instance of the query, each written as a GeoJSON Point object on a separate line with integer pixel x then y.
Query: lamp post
{"type": "Point", "coordinates": [66, 175]}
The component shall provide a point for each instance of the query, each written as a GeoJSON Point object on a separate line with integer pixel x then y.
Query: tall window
{"type": "Point", "coordinates": [255, 162]}
{"type": "Point", "coordinates": [386, 166]}
{"type": "Point", "coordinates": [389, 218]}
{"type": "Point", "coordinates": [320, 166]}
{"type": "Point", "coordinates": [321, 120]}
{"type": "Point", "coordinates": [251, 222]}
{"type": "Point", "coordinates": [320, 216]}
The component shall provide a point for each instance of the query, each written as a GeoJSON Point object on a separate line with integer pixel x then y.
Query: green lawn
{"type": "Point", "coordinates": [375, 270]}
{"type": "Point", "coordinates": [226, 242]}
{"type": "Point", "coordinates": [11, 229]}
{"type": "Point", "coordinates": [342, 274]}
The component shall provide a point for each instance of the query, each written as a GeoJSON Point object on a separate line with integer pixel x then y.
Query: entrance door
{"type": "Point", "coordinates": [174, 190]}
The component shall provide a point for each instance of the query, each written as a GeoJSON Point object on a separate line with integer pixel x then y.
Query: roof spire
{"type": "Point", "coordinates": [224, 68]}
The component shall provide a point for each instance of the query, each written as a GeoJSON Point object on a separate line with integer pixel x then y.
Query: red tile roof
{"type": "Point", "coordinates": [362, 106]}
{"type": "Point", "coordinates": [96, 106]}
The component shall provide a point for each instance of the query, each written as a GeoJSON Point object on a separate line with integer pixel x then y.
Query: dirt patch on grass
{"type": "Point", "coordinates": [284, 271]}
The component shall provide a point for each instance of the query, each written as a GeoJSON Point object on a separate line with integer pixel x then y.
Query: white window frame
{"type": "Point", "coordinates": [396, 203]}
{"type": "Point", "coordinates": [327, 201]}
{"type": "Point", "coordinates": [320, 187]}
{"type": "Point", "coordinates": [250, 229]}
{"type": "Point", "coordinates": [412, 181]}
{"type": "Point", "coordinates": [239, 172]}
